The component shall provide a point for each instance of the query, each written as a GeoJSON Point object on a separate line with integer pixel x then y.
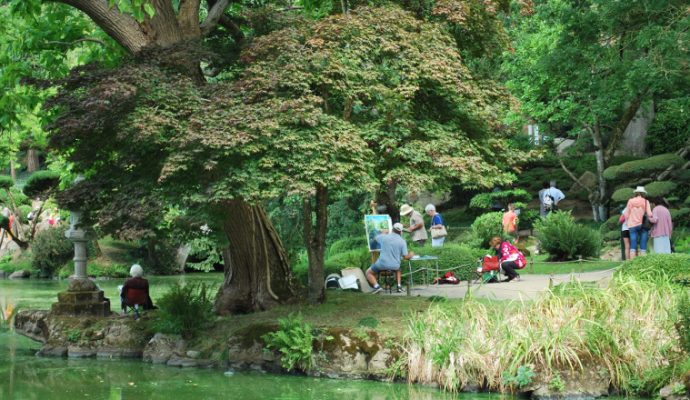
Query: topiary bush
{"type": "Point", "coordinates": [485, 227]}
{"type": "Point", "coordinates": [564, 239]}
{"type": "Point", "coordinates": [645, 166]}
{"type": "Point", "coordinates": [654, 189]}
{"type": "Point", "coordinates": [50, 250]}
{"type": "Point", "coordinates": [41, 182]}
{"type": "Point", "coordinates": [453, 256]}
{"type": "Point", "coordinates": [186, 309]}
{"type": "Point", "coordinates": [653, 267]}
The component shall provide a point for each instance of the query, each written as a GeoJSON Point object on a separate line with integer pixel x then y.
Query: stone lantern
{"type": "Point", "coordinates": [82, 296]}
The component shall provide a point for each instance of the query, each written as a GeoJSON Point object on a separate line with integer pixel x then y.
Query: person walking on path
{"type": "Point", "coordinates": [438, 227]}
{"type": "Point", "coordinates": [635, 211]}
{"type": "Point", "coordinates": [393, 251]}
{"type": "Point", "coordinates": [662, 230]}
{"type": "Point", "coordinates": [549, 197]}
{"type": "Point", "coordinates": [510, 221]}
{"type": "Point", "coordinates": [416, 229]}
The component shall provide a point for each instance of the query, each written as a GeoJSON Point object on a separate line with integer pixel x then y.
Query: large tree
{"type": "Point", "coordinates": [589, 65]}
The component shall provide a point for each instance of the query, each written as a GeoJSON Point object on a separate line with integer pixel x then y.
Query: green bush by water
{"type": "Point", "coordinates": [564, 239]}
{"type": "Point", "coordinates": [51, 250]}
{"type": "Point", "coordinates": [294, 340]}
{"type": "Point", "coordinates": [186, 309]}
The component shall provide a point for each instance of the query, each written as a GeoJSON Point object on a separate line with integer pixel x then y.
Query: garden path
{"type": "Point", "coordinates": [528, 287]}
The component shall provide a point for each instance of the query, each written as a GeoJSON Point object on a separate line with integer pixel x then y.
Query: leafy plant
{"type": "Point", "coordinates": [522, 377]}
{"type": "Point", "coordinates": [564, 239]}
{"type": "Point", "coordinates": [485, 227]}
{"type": "Point", "coordinates": [369, 322]}
{"type": "Point", "coordinates": [459, 257]}
{"type": "Point", "coordinates": [678, 389]}
{"type": "Point", "coordinates": [185, 309]}
{"type": "Point", "coordinates": [556, 383]}
{"type": "Point", "coordinates": [73, 335]}
{"type": "Point", "coordinates": [294, 340]}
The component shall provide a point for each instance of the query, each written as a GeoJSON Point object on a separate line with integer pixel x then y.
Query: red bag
{"type": "Point", "coordinates": [490, 263]}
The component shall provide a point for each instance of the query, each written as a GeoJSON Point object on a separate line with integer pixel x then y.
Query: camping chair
{"type": "Point", "coordinates": [136, 299]}
{"type": "Point", "coordinates": [489, 269]}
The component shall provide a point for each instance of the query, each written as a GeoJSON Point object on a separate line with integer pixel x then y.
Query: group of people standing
{"type": "Point", "coordinates": [417, 230]}
{"type": "Point", "coordinates": [639, 221]}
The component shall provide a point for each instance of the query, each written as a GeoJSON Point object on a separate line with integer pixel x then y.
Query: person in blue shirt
{"type": "Point", "coordinates": [436, 223]}
{"type": "Point", "coordinates": [393, 251]}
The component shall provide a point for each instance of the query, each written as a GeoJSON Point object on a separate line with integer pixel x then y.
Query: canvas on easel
{"type": "Point", "coordinates": [376, 225]}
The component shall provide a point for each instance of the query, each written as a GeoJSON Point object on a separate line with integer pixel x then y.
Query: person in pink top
{"type": "Point", "coordinates": [663, 226]}
{"type": "Point", "coordinates": [635, 211]}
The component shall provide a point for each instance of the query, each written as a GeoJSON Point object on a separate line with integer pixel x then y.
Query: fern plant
{"type": "Point", "coordinates": [294, 341]}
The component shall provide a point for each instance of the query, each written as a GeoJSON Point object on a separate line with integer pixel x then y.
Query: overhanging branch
{"type": "Point", "coordinates": [215, 12]}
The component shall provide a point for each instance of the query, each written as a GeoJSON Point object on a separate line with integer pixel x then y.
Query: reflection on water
{"type": "Point", "coordinates": [23, 376]}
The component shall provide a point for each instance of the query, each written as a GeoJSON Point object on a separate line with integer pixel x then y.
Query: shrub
{"type": "Point", "coordinates": [654, 189]}
{"type": "Point", "coordinates": [452, 255]}
{"type": "Point", "coordinates": [655, 267]}
{"type": "Point", "coordinates": [645, 166]}
{"type": "Point", "coordinates": [24, 211]}
{"type": "Point", "coordinates": [294, 340]}
{"type": "Point", "coordinates": [99, 269]}
{"type": "Point", "coordinates": [50, 250]}
{"type": "Point", "coordinates": [564, 239]}
{"type": "Point", "coordinates": [6, 182]}
{"type": "Point", "coordinates": [485, 227]}
{"type": "Point", "coordinates": [40, 182]}
{"type": "Point", "coordinates": [346, 244]}
{"type": "Point", "coordinates": [186, 309]}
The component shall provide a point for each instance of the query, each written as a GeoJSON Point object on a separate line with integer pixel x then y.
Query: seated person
{"type": "Point", "coordinates": [136, 290]}
{"type": "Point", "coordinates": [393, 250]}
{"type": "Point", "coordinates": [509, 257]}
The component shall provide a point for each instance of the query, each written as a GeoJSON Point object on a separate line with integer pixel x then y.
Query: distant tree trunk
{"type": "Point", "coordinates": [257, 273]}
{"type": "Point", "coordinates": [387, 198]}
{"type": "Point", "coordinates": [32, 160]}
{"type": "Point", "coordinates": [13, 172]}
{"type": "Point", "coordinates": [315, 242]}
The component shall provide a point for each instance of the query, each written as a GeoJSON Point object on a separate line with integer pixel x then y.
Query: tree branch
{"type": "Point", "coordinates": [123, 28]}
{"type": "Point", "coordinates": [215, 12]}
{"type": "Point", "coordinates": [573, 177]}
{"type": "Point", "coordinates": [232, 28]}
{"type": "Point", "coordinates": [92, 40]}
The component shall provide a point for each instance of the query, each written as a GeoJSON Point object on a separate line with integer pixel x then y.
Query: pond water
{"type": "Point", "coordinates": [25, 376]}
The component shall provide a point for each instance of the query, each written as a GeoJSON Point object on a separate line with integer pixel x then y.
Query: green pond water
{"type": "Point", "coordinates": [25, 376]}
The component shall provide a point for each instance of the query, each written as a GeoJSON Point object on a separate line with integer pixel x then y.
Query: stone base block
{"type": "Point", "coordinates": [82, 303]}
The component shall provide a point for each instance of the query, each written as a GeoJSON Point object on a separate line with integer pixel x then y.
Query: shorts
{"type": "Point", "coordinates": [376, 269]}
{"type": "Point", "coordinates": [625, 234]}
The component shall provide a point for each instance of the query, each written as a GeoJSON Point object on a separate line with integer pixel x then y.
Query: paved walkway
{"type": "Point", "coordinates": [528, 287]}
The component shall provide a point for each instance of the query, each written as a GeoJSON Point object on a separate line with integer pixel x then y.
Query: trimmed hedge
{"type": "Point", "coordinates": [646, 166]}
{"type": "Point", "coordinates": [454, 255]}
{"type": "Point", "coordinates": [564, 239]}
{"type": "Point", "coordinates": [6, 182]}
{"type": "Point", "coordinates": [673, 267]}
{"type": "Point", "coordinates": [661, 188]}
{"type": "Point", "coordinates": [41, 181]}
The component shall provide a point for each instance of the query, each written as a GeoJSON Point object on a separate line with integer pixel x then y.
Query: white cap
{"type": "Point", "coordinates": [398, 227]}
{"type": "Point", "coordinates": [640, 189]}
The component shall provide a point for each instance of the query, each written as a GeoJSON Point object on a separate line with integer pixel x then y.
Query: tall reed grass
{"type": "Point", "coordinates": [626, 329]}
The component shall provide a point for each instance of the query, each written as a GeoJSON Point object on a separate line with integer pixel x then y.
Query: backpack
{"type": "Point", "coordinates": [549, 203]}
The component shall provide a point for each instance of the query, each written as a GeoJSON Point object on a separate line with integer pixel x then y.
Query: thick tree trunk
{"type": "Point", "coordinates": [315, 242]}
{"type": "Point", "coordinates": [257, 273]}
{"type": "Point", "coordinates": [31, 160]}
{"type": "Point", "coordinates": [13, 171]}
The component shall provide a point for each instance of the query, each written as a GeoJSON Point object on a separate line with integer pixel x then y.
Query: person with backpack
{"type": "Point", "coordinates": [549, 197]}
